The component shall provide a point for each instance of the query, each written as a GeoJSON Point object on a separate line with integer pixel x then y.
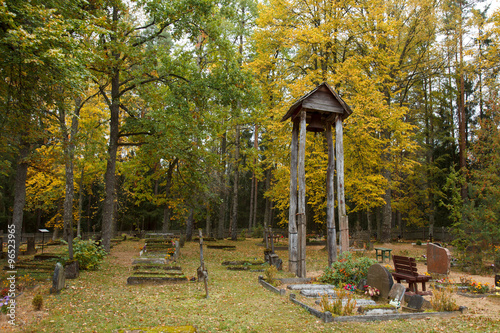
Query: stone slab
{"type": "Point", "coordinates": [438, 259]}
{"type": "Point", "coordinates": [310, 286]}
{"type": "Point", "coordinates": [295, 280]}
{"type": "Point", "coordinates": [154, 261]}
{"type": "Point", "coordinates": [318, 292]}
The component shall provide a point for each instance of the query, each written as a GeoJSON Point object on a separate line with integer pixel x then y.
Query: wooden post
{"type": "Point", "coordinates": [202, 272]}
{"type": "Point", "coordinates": [301, 213]}
{"type": "Point", "coordinates": [292, 214]}
{"type": "Point", "coordinates": [272, 239]}
{"type": "Point", "coordinates": [343, 222]}
{"type": "Point", "coordinates": [330, 199]}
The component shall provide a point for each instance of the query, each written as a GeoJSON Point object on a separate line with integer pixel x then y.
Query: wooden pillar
{"type": "Point", "coordinates": [330, 199]}
{"type": "Point", "coordinates": [301, 201]}
{"type": "Point", "coordinates": [292, 213]}
{"type": "Point", "coordinates": [343, 222]}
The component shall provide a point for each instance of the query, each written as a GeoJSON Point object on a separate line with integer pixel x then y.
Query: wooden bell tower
{"type": "Point", "coordinates": [318, 111]}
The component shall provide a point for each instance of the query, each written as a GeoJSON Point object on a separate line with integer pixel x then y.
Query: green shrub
{"type": "Point", "coordinates": [270, 274]}
{"type": "Point", "coordinates": [37, 302]}
{"type": "Point", "coordinates": [88, 254]}
{"type": "Point", "coordinates": [258, 231]}
{"type": "Point", "coordinates": [347, 270]}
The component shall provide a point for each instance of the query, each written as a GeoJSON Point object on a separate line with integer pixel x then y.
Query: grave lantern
{"type": "Point", "coordinates": [318, 111]}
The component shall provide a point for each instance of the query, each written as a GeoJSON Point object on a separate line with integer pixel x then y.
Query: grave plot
{"type": "Point", "coordinates": [222, 247]}
{"type": "Point", "coordinates": [375, 298]}
{"type": "Point", "coordinates": [245, 265]}
{"type": "Point", "coordinates": [156, 264]}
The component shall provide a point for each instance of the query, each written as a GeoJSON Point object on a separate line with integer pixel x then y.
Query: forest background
{"type": "Point", "coordinates": [159, 115]}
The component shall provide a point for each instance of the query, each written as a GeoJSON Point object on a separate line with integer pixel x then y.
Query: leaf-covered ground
{"type": "Point", "coordinates": [101, 301]}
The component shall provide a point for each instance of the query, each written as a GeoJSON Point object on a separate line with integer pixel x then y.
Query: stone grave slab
{"type": "Point", "coordinates": [380, 278]}
{"type": "Point", "coordinates": [153, 261]}
{"type": "Point", "coordinates": [58, 279]}
{"type": "Point", "coordinates": [318, 292]}
{"type": "Point", "coordinates": [310, 286]}
{"type": "Point", "coordinates": [438, 259]}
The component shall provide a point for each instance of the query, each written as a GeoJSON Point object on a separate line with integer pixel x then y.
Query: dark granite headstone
{"type": "Point", "coordinates": [58, 280]}
{"type": "Point", "coordinates": [415, 302]}
{"type": "Point", "coordinates": [31, 246]}
{"type": "Point", "coordinates": [497, 280]}
{"type": "Point", "coordinates": [379, 277]}
{"type": "Point", "coordinates": [438, 259]}
{"type": "Point", "coordinates": [72, 270]}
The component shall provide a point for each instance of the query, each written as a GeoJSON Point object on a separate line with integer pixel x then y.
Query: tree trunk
{"type": "Point", "coordinates": [80, 205]}
{"type": "Point", "coordinates": [223, 191]}
{"type": "Point", "coordinates": [189, 225]}
{"type": "Point", "coordinates": [461, 112]}
{"type": "Point", "coordinates": [234, 216]}
{"type": "Point", "coordinates": [267, 207]}
{"type": "Point", "coordinates": [69, 156]}
{"type": "Point", "coordinates": [250, 218]}
{"type": "Point", "coordinates": [168, 186]}
{"type": "Point", "coordinates": [208, 225]}
{"type": "Point", "coordinates": [19, 196]}
{"type": "Point", "coordinates": [109, 176]}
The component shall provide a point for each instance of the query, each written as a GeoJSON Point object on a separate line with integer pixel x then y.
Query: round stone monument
{"type": "Point", "coordinates": [379, 277]}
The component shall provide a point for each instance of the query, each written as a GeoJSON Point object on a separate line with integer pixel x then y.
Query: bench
{"type": "Point", "coordinates": [406, 269]}
{"type": "Point", "coordinates": [384, 253]}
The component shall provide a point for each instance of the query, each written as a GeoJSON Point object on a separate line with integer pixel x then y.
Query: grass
{"type": "Point", "coordinates": [101, 301]}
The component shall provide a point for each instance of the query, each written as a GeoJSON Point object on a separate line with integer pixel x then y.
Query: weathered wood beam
{"type": "Point", "coordinates": [339, 151]}
{"type": "Point", "coordinates": [301, 213]}
{"type": "Point", "coordinates": [330, 199]}
{"type": "Point", "coordinates": [292, 213]}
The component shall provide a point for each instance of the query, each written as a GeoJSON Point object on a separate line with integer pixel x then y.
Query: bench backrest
{"type": "Point", "coordinates": [405, 265]}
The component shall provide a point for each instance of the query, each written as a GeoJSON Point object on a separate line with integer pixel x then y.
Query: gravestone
{"type": "Point", "coordinates": [379, 277]}
{"type": "Point", "coordinates": [58, 279]}
{"type": "Point", "coordinates": [31, 246]}
{"type": "Point", "coordinates": [361, 285]}
{"type": "Point", "coordinates": [397, 294]}
{"type": "Point", "coordinates": [72, 269]}
{"type": "Point", "coordinates": [416, 302]}
{"type": "Point", "coordinates": [438, 259]}
{"type": "Point", "coordinates": [497, 284]}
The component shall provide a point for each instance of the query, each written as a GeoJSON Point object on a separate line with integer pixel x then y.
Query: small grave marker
{"type": "Point", "coordinates": [58, 279]}
{"type": "Point", "coordinates": [397, 294]}
{"type": "Point", "coordinates": [31, 246]}
{"type": "Point", "coordinates": [416, 302]}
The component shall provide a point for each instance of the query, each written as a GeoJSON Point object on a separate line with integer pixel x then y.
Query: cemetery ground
{"type": "Point", "coordinates": [101, 300]}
